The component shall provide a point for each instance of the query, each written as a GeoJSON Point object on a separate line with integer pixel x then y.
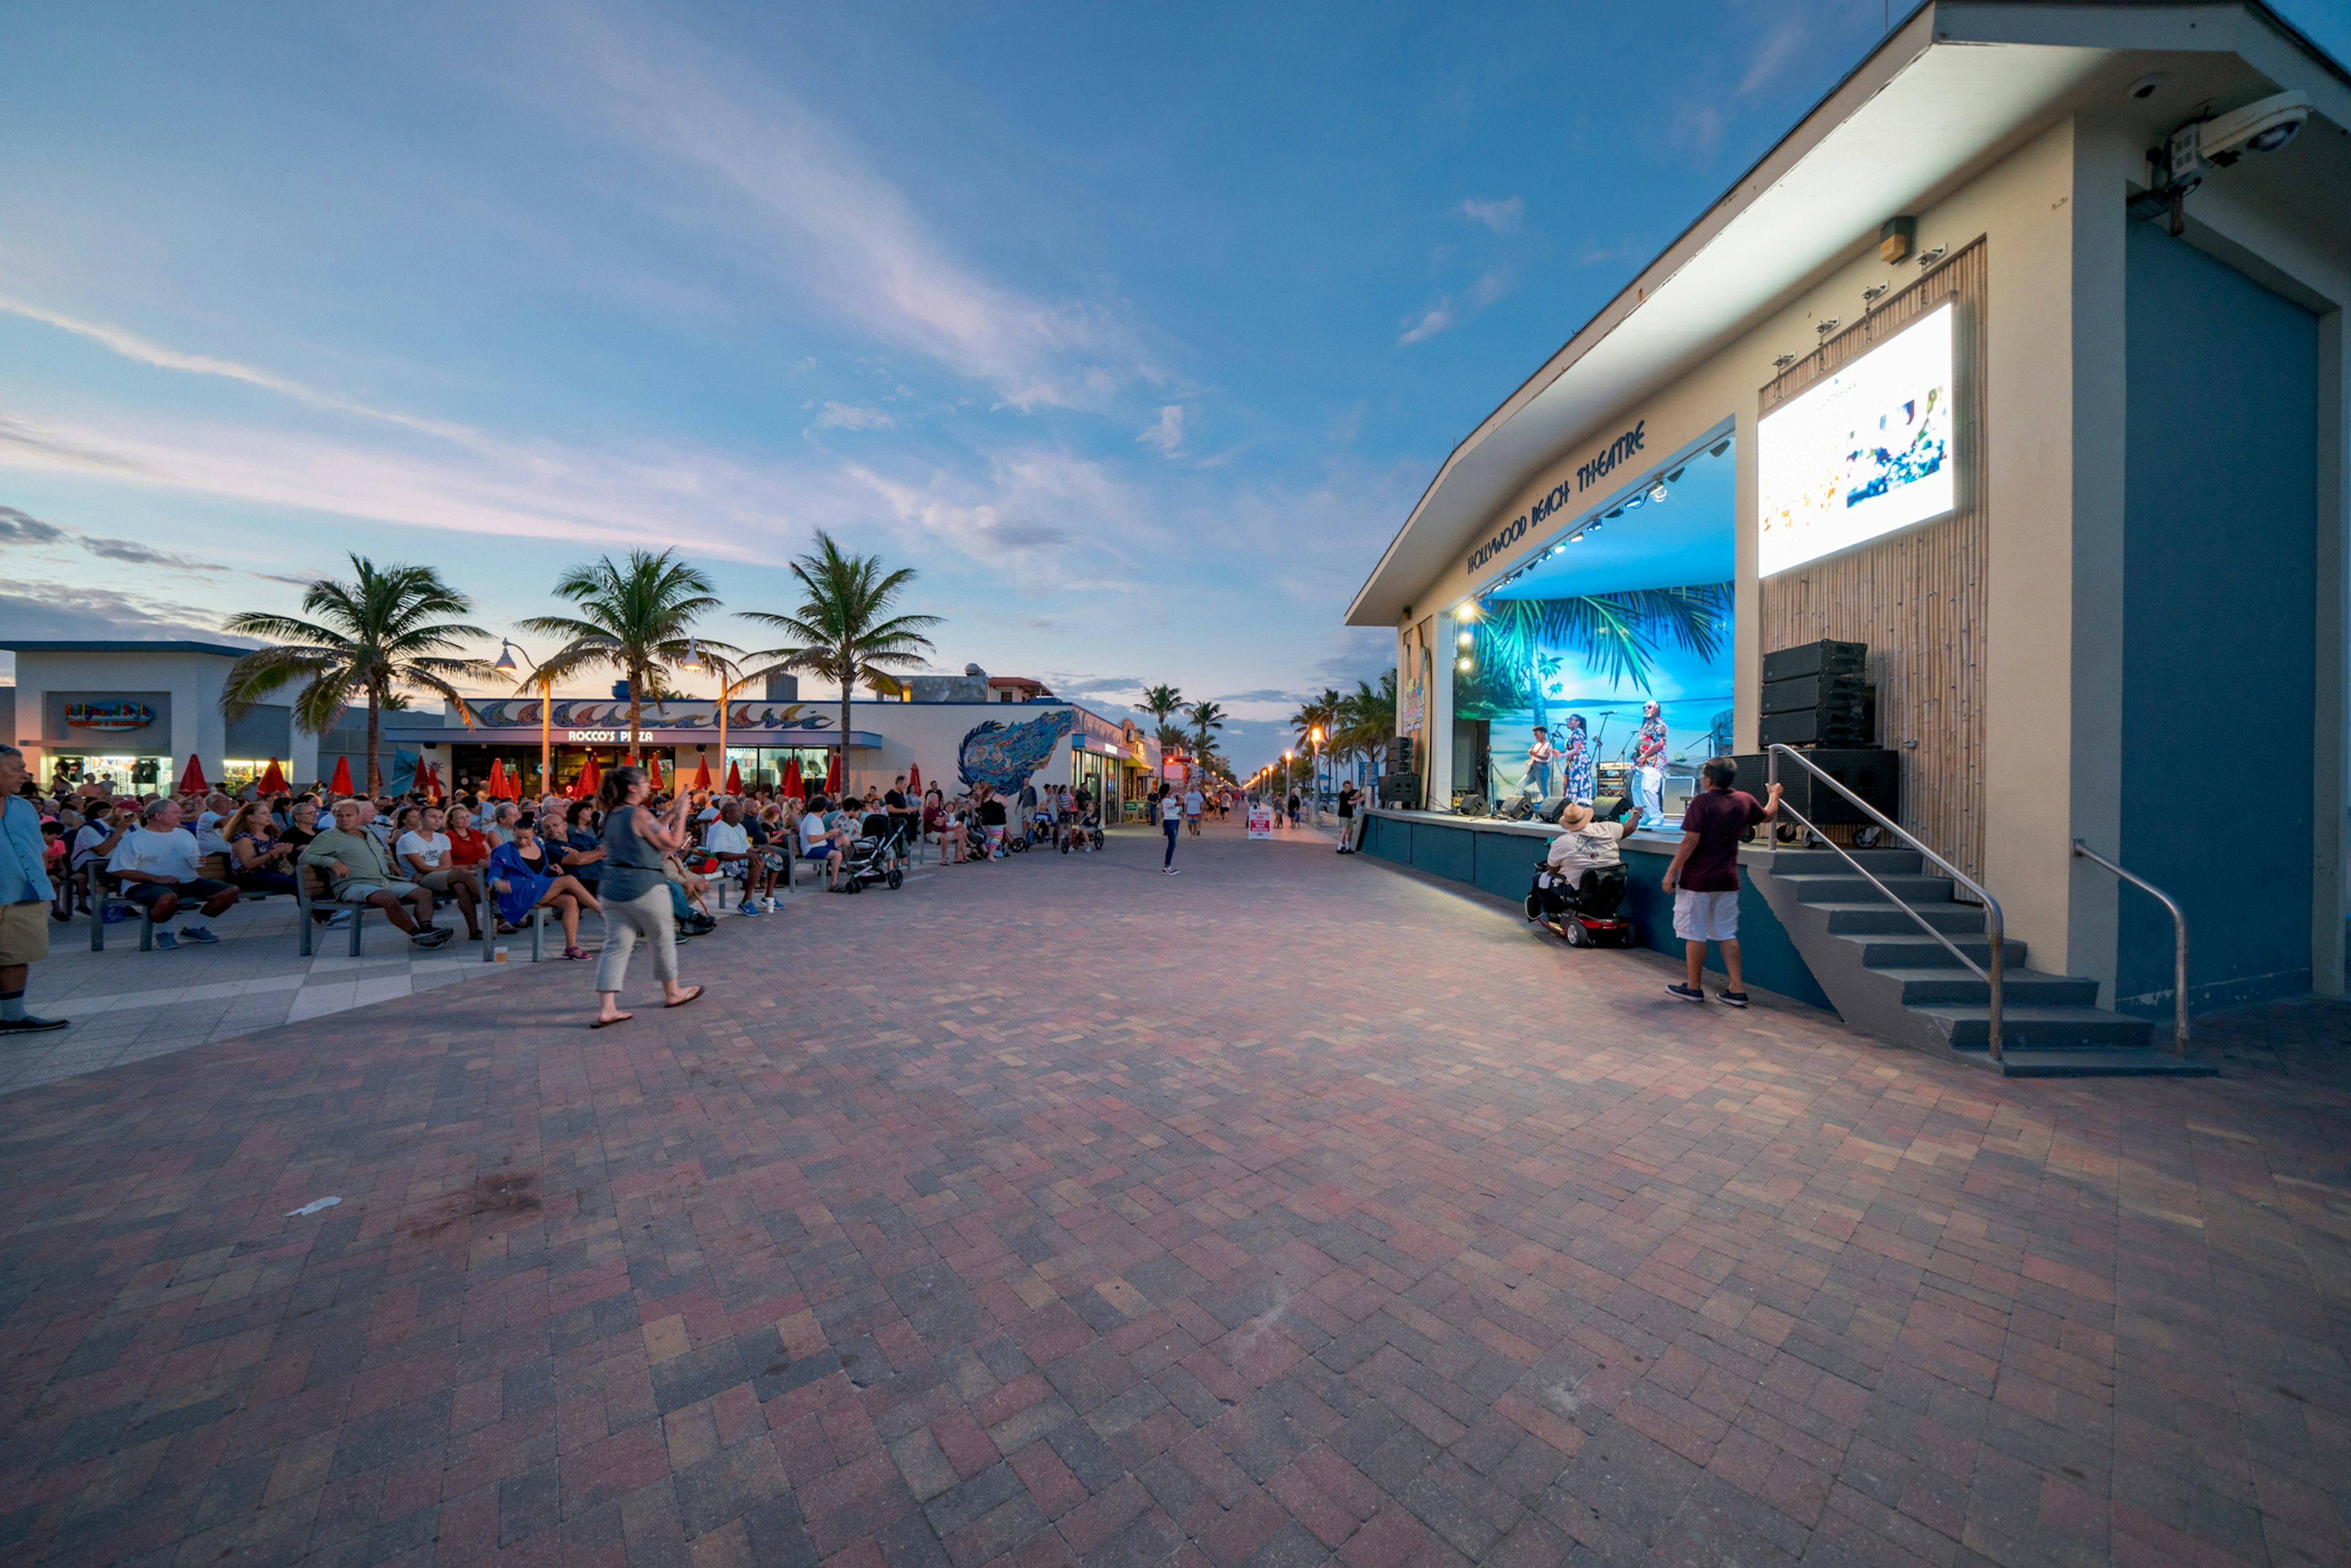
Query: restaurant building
{"type": "Point", "coordinates": [2019, 362]}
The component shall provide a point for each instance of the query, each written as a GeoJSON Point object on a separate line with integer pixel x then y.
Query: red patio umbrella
{"type": "Point", "coordinates": [592, 778]}
{"type": "Point", "coordinates": [702, 772]}
{"type": "Point", "coordinates": [191, 781]}
{"type": "Point", "coordinates": [915, 780]}
{"type": "Point", "coordinates": [428, 781]}
{"type": "Point", "coordinates": [833, 776]}
{"type": "Point", "coordinates": [793, 789]}
{"type": "Point", "coordinates": [734, 780]}
{"type": "Point", "coordinates": [273, 782]}
{"type": "Point", "coordinates": [653, 773]}
{"type": "Point", "coordinates": [341, 784]}
{"type": "Point", "coordinates": [499, 787]}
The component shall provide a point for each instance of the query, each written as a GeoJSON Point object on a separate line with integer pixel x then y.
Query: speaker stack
{"type": "Point", "coordinates": [1818, 694]}
{"type": "Point", "coordinates": [1400, 781]}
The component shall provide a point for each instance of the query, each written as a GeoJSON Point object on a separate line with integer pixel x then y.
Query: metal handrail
{"type": "Point", "coordinates": [2178, 941]}
{"type": "Point", "coordinates": [1995, 925]}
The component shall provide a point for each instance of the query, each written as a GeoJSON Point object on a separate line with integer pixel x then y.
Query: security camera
{"type": "Point", "coordinates": [2202, 145]}
{"type": "Point", "coordinates": [2146, 85]}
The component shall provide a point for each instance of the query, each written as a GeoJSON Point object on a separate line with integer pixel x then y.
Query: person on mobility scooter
{"type": "Point", "coordinates": [1580, 885]}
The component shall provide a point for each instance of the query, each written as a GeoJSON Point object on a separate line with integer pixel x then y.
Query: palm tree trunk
{"type": "Point", "coordinates": [847, 683]}
{"type": "Point", "coordinates": [636, 714]}
{"type": "Point", "coordinates": [375, 729]}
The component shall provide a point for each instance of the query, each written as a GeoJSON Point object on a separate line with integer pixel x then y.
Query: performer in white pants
{"type": "Point", "coordinates": [1649, 761]}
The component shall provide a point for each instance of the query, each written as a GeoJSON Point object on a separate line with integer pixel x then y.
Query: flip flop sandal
{"type": "Point", "coordinates": [577, 953]}
{"type": "Point", "coordinates": [685, 1000]}
{"type": "Point", "coordinates": [608, 1023]}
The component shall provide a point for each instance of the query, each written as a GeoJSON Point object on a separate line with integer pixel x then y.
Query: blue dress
{"type": "Point", "coordinates": [525, 886]}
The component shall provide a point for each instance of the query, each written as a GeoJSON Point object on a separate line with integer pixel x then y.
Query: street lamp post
{"type": "Point", "coordinates": [1287, 784]}
{"type": "Point", "coordinates": [1315, 737]}
{"type": "Point", "coordinates": [506, 666]}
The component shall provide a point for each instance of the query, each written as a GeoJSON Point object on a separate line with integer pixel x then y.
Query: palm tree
{"type": "Point", "coordinates": [1367, 720]}
{"type": "Point", "coordinates": [1207, 719]}
{"type": "Point", "coordinates": [1172, 741]}
{"type": "Point", "coordinates": [637, 619]}
{"type": "Point", "coordinates": [843, 631]}
{"type": "Point", "coordinates": [374, 635]}
{"type": "Point", "coordinates": [1162, 702]}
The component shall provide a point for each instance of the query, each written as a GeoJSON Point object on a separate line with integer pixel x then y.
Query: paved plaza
{"type": "Point", "coordinates": [1293, 1210]}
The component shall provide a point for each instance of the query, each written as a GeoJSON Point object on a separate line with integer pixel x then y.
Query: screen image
{"type": "Point", "coordinates": [1863, 453]}
{"type": "Point", "coordinates": [1559, 692]}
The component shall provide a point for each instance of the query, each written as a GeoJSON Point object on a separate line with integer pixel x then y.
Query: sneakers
{"type": "Point", "coordinates": [1688, 993]}
{"type": "Point", "coordinates": [1731, 999]}
{"type": "Point", "coordinates": [749, 908]}
{"type": "Point", "coordinates": [197, 933]}
{"type": "Point", "coordinates": [339, 920]}
{"type": "Point", "coordinates": [433, 937]}
{"type": "Point", "coordinates": [28, 1024]}
{"type": "Point", "coordinates": [166, 941]}
{"type": "Point", "coordinates": [1170, 870]}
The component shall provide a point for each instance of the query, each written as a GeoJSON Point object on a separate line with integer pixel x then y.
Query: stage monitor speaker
{"type": "Point", "coordinates": [1825, 657]}
{"type": "Point", "coordinates": [1869, 772]}
{"type": "Point", "coordinates": [1817, 727]}
{"type": "Point", "coordinates": [1400, 789]}
{"type": "Point", "coordinates": [1814, 691]}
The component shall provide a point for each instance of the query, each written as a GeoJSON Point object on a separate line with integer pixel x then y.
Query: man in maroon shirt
{"type": "Point", "coordinates": [1704, 877]}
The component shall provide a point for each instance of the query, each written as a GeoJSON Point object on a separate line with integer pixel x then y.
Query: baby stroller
{"type": "Point", "coordinates": [874, 856]}
{"type": "Point", "coordinates": [1583, 915]}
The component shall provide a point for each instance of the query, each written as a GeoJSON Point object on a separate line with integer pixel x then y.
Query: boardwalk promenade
{"type": "Point", "coordinates": [1289, 1211]}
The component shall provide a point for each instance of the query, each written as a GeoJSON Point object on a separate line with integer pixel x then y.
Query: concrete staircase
{"type": "Point", "coordinates": [1890, 979]}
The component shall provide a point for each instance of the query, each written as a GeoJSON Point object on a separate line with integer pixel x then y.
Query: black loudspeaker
{"type": "Point", "coordinates": [1825, 657]}
{"type": "Point", "coordinates": [1844, 725]}
{"type": "Point", "coordinates": [1400, 756]}
{"type": "Point", "coordinates": [1400, 789]}
{"type": "Point", "coordinates": [1800, 692]}
{"type": "Point", "coordinates": [1873, 774]}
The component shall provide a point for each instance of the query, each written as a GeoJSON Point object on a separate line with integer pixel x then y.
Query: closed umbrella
{"type": "Point", "coordinates": [702, 772]}
{"type": "Point", "coordinates": [273, 782]}
{"type": "Point", "coordinates": [653, 773]}
{"type": "Point", "coordinates": [793, 789]}
{"type": "Point", "coordinates": [734, 780]}
{"type": "Point", "coordinates": [915, 780]}
{"type": "Point", "coordinates": [499, 787]}
{"type": "Point", "coordinates": [833, 776]}
{"type": "Point", "coordinates": [428, 781]}
{"type": "Point", "coordinates": [341, 784]}
{"type": "Point", "coordinates": [592, 778]}
{"type": "Point", "coordinates": [191, 781]}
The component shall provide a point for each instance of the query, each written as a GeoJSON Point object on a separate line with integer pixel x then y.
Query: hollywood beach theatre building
{"type": "Point", "coordinates": [1985, 444]}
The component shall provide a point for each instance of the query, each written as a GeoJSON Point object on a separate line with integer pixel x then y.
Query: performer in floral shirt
{"type": "Point", "coordinates": [1649, 761]}
{"type": "Point", "coordinates": [1577, 747]}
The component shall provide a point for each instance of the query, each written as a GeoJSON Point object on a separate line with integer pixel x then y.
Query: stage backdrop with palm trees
{"type": "Point", "coordinates": [1535, 661]}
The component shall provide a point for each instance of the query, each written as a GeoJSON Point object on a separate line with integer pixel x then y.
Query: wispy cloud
{"type": "Point", "coordinates": [1504, 216]}
{"type": "Point", "coordinates": [23, 528]}
{"type": "Point", "coordinates": [1433, 321]}
{"type": "Point", "coordinates": [850, 416]}
{"type": "Point", "coordinates": [132, 346]}
{"type": "Point", "coordinates": [68, 610]}
{"type": "Point", "coordinates": [1774, 54]}
{"type": "Point", "coordinates": [801, 195]}
{"type": "Point", "coordinates": [1166, 433]}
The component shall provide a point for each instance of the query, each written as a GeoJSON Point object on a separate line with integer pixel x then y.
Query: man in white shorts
{"type": "Point", "coordinates": [1704, 878]}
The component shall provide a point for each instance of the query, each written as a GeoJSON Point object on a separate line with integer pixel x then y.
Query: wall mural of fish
{"type": "Point", "coordinates": [1003, 756]}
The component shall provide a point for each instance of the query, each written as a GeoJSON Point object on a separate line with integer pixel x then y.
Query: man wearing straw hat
{"type": "Point", "coordinates": [1585, 845]}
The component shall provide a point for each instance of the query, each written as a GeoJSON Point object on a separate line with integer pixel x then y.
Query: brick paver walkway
{"type": "Point", "coordinates": [1285, 1210]}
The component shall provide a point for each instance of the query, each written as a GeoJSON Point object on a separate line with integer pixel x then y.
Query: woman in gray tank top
{"type": "Point", "coordinates": [636, 891]}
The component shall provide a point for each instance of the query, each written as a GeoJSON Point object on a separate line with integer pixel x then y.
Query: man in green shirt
{"type": "Point", "coordinates": [363, 872]}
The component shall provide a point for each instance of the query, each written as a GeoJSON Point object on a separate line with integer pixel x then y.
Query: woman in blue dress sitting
{"type": "Point", "coordinates": [523, 877]}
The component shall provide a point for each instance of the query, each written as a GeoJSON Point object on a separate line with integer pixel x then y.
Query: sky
{"type": "Point", "coordinates": [1136, 331]}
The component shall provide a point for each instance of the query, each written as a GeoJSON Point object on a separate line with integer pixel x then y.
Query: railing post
{"type": "Point", "coordinates": [1995, 928]}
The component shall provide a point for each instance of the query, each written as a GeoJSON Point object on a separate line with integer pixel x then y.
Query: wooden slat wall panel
{"type": "Point", "coordinates": [1918, 597]}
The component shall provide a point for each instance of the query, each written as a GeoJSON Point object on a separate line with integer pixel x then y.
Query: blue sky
{"type": "Point", "coordinates": [1135, 330]}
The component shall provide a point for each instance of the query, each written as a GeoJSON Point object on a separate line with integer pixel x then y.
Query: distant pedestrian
{"type": "Point", "coordinates": [1293, 807]}
{"type": "Point", "coordinates": [636, 891]}
{"type": "Point", "coordinates": [1704, 877]}
{"type": "Point", "coordinates": [1171, 822]}
{"type": "Point", "coordinates": [1346, 818]}
{"type": "Point", "coordinates": [1194, 804]}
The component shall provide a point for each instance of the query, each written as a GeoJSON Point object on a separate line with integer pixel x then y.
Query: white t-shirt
{"type": "Point", "coordinates": [1192, 802]}
{"type": "Point", "coordinates": [1587, 848]}
{"type": "Point", "coordinates": [430, 850]}
{"type": "Point", "coordinates": [171, 855]}
{"type": "Point", "coordinates": [812, 834]}
{"type": "Point", "coordinates": [87, 838]}
{"type": "Point", "coordinates": [726, 837]}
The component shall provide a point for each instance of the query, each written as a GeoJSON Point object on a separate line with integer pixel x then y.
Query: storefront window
{"type": "Point", "coordinates": [1603, 670]}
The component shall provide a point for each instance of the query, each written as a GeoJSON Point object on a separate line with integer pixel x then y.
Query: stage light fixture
{"type": "Point", "coordinates": [1825, 328]}
{"type": "Point", "coordinates": [1719, 448]}
{"type": "Point", "coordinates": [1658, 491]}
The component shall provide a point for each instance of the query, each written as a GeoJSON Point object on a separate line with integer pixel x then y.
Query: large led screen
{"type": "Point", "coordinates": [1862, 454]}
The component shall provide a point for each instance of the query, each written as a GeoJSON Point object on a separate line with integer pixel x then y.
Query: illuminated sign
{"type": "Point", "coordinates": [109, 716]}
{"type": "Point", "coordinates": [1860, 453]}
{"type": "Point", "coordinates": [592, 735]}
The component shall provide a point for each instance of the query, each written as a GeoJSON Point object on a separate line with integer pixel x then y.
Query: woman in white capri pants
{"type": "Point", "coordinates": [635, 891]}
